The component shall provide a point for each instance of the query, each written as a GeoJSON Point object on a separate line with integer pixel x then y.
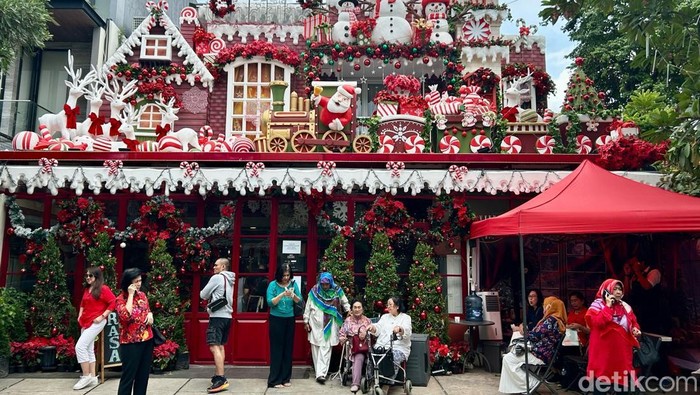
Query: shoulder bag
{"type": "Point", "coordinates": [359, 346]}
{"type": "Point", "coordinates": [218, 304]}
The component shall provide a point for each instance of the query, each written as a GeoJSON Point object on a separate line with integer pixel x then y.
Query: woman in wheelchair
{"type": "Point", "coordinates": [614, 332]}
{"type": "Point", "coordinates": [542, 342]}
{"type": "Point", "coordinates": [355, 326]}
{"type": "Point", "coordinates": [393, 324]}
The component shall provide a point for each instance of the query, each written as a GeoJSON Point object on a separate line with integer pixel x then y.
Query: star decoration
{"type": "Point", "coordinates": [363, 79]}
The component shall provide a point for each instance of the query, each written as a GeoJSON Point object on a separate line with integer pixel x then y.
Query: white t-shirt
{"type": "Point", "coordinates": [385, 328]}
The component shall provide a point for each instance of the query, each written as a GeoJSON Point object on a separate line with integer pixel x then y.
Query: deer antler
{"type": "Point", "coordinates": [97, 87]}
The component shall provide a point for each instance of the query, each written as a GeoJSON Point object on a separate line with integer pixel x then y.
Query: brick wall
{"type": "Point", "coordinates": [533, 56]}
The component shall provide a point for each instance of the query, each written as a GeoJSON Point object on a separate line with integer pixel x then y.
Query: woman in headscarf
{"type": "Point", "coordinates": [323, 316]}
{"type": "Point", "coordinates": [544, 339]}
{"type": "Point", "coordinates": [614, 332]}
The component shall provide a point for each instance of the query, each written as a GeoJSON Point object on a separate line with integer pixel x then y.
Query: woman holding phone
{"type": "Point", "coordinates": [614, 332]}
{"type": "Point", "coordinates": [281, 296]}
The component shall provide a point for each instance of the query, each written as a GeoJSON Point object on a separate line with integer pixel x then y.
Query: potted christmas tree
{"type": "Point", "coordinates": [382, 279]}
{"type": "Point", "coordinates": [336, 262]}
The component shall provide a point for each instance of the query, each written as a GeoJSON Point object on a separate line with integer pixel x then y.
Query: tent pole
{"type": "Point", "coordinates": [524, 303]}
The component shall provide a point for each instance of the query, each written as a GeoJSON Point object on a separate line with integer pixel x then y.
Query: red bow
{"type": "Point", "coordinates": [71, 116]}
{"type": "Point", "coordinates": [96, 125]}
{"type": "Point", "coordinates": [114, 125]}
{"type": "Point", "coordinates": [509, 113]}
{"type": "Point", "coordinates": [132, 145]}
{"type": "Point", "coordinates": [161, 131]}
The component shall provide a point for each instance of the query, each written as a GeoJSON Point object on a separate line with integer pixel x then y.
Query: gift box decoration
{"type": "Point", "coordinates": [422, 29]}
{"type": "Point", "coordinates": [387, 108]}
{"type": "Point", "coordinates": [311, 23]}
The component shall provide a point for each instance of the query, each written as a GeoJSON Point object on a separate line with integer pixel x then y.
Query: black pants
{"type": "Point", "coordinates": [281, 347]}
{"type": "Point", "coordinates": [136, 366]}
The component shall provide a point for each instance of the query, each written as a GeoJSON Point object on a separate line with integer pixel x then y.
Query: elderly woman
{"type": "Point", "coordinates": [544, 339]}
{"type": "Point", "coordinates": [614, 332]}
{"type": "Point", "coordinates": [323, 316]}
{"type": "Point", "coordinates": [355, 325]}
{"type": "Point", "coordinates": [394, 323]}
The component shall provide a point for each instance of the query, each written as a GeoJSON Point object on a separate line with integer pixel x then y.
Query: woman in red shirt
{"type": "Point", "coordinates": [614, 332]}
{"type": "Point", "coordinates": [135, 335]}
{"type": "Point", "coordinates": [95, 306]}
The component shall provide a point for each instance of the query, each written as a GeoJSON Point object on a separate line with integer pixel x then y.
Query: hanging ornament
{"type": "Point", "coordinates": [438, 289]}
{"type": "Point", "coordinates": [397, 65]}
{"type": "Point", "coordinates": [368, 62]}
{"type": "Point", "coordinates": [356, 66]}
{"type": "Point", "coordinates": [417, 300]}
{"type": "Point", "coordinates": [423, 315]}
{"type": "Point", "coordinates": [158, 305]}
{"type": "Point", "coordinates": [379, 304]}
{"type": "Point", "coordinates": [437, 309]}
{"type": "Point", "coordinates": [421, 285]}
{"type": "Point", "coordinates": [54, 331]}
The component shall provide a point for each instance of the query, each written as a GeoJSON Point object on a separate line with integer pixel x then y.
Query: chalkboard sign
{"type": "Point", "coordinates": [109, 345]}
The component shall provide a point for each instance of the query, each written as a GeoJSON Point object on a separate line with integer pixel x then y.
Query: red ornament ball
{"type": "Point", "coordinates": [426, 59]}
{"type": "Point", "coordinates": [379, 304]}
{"type": "Point", "coordinates": [368, 62]}
{"type": "Point", "coordinates": [423, 315]}
{"type": "Point", "coordinates": [356, 67]}
{"type": "Point", "coordinates": [421, 285]}
{"type": "Point", "coordinates": [417, 300]}
{"type": "Point", "coordinates": [54, 331]}
{"type": "Point", "coordinates": [438, 289]}
{"type": "Point", "coordinates": [437, 309]}
{"type": "Point", "coordinates": [158, 305]}
{"type": "Point", "coordinates": [397, 65]}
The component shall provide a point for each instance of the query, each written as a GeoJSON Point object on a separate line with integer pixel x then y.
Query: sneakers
{"type": "Point", "coordinates": [354, 389]}
{"type": "Point", "coordinates": [85, 381]}
{"type": "Point", "coordinates": [218, 384]}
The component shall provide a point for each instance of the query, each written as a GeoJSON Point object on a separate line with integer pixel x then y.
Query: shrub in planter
{"type": "Point", "coordinates": [164, 354]}
{"type": "Point", "coordinates": [13, 314]}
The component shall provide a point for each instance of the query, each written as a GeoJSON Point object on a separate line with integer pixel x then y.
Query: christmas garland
{"type": "Point", "coordinates": [484, 78]}
{"type": "Point", "coordinates": [269, 51]}
{"type": "Point", "coordinates": [449, 216]}
{"type": "Point", "coordinates": [310, 4]}
{"type": "Point", "coordinates": [221, 8]}
{"type": "Point", "coordinates": [153, 81]}
{"type": "Point", "coordinates": [17, 224]}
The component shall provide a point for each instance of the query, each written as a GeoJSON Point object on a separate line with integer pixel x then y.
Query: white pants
{"type": "Point", "coordinates": [322, 359]}
{"type": "Point", "coordinates": [85, 346]}
{"type": "Point", "coordinates": [513, 373]}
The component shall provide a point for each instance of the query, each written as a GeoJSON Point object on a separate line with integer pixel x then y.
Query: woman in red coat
{"type": "Point", "coordinates": [614, 332]}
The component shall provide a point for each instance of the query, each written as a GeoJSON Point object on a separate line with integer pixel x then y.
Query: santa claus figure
{"type": "Point", "coordinates": [337, 111]}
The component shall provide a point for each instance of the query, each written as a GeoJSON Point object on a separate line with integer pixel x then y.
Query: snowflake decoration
{"type": "Point", "coordinates": [592, 126]}
{"type": "Point", "coordinates": [476, 30]}
{"type": "Point", "coordinates": [253, 206]}
{"type": "Point", "coordinates": [301, 214]}
{"type": "Point", "coordinates": [195, 100]}
{"type": "Point", "coordinates": [340, 211]}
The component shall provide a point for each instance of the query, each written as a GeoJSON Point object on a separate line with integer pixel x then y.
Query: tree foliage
{"type": "Point", "coordinates": [382, 278]}
{"type": "Point", "coordinates": [23, 25]}
{"type": "Point", "coordinates": [664, 38]}
{"type": "Point", "coordinates": [336, 262]}
{"type": "Point", "coordinates": [100, 255]}
{"type": "Point", "coordinates": [428, 308]}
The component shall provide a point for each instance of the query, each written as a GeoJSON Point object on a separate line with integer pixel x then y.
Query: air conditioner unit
{"type": "Point", "coordinates": [492, 312]}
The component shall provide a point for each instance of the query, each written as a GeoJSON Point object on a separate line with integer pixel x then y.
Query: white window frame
{"type": "Point", "coordinates": [159, 38]}
{"type": "Point", "coordinates": [256, 61]}
{"type": "Point", "coordinates": [147, 117]}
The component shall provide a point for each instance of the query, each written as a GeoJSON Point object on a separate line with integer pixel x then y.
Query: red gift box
{"type": "Point", "coordinates": [421, 37]}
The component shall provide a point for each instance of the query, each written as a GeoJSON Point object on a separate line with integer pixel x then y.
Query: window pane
{"type": "Point", "coordinates": [256, 217]}
{"type": "Point", "coordinates": [279, 73]}
{"type": "Point", "coordinates": [238, 107]}
{"type": "Point", "coordinates": [253, 73]}
{"type": "Point", "coordinates": [293, 218]}
{"type": "Point", "coordinates": [255, 255]}
{"type": "Point", "coordinates": [251, 294]}
{"type": "Point", "coordinates": [265, 72]}
{"type": "Point", "coordinates": [287, 254]}
{"type": "Point", "coordinates": [238, 74]}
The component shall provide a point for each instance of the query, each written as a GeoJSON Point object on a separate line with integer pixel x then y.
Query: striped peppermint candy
{"type": "Point", "coordinates": [26, 140]}
{"type": "Point", "coordinates": [602, 140]}
{"type": "Point", "coordinates": [545, 144]}
{"type": "Point", "coordinates": [583, 144]}
{"type": "Point", "coordinates": [449, 145]}
{"type": "Point", "coordinates": [479, 142]}
{"type": "Point", "coordinates": [102, 144]}
{"type": "Point", "coordinates": [148, 146]}
{"type": "Point", "coordinates": [414, 144]}
{"type": "Point", "coordinates": [511, 145]}
{"type": "Point", "coordinates": [169, 144]}
{"type": "Point", "coordinates": [242, 144]}
{"type": "Point", "coordinates": [209, 146]}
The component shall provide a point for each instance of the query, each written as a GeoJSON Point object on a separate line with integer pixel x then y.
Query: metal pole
{"type": "Point", "coordinates": [524, 302]}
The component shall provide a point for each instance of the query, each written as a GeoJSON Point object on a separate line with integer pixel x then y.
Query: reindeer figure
{"type": "Point", "coordinates": [515, 95]}
{"type": "Point", "coordinates": [117, 95]}
{"type": "Point", "coordinates": [65, 120]}
{"type": "Point", "coordinates": [92, 126]}
{"type": "Point", "coordinates": [128, 118]}
{"type": "Point", "coordinates": [188, 137]}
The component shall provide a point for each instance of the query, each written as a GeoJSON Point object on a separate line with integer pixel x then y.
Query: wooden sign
{"type": "Point", "coordinates": [109, 345]}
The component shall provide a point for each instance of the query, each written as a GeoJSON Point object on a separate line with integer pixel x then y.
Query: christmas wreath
{"type": "Point", "coordinates": [80, 220]}
{"type": "Point", "coordinates": [386, 215]}
{"type": "Point", "coordinates": [365, 26]}
{"type": "Point", "coordinates": [449, 216]}
{"type": "Point", "coordinates": [221, 8]}
{"type": "Point", "coordinates": [484, 78]}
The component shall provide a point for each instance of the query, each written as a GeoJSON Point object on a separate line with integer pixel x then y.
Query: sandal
{"type": "Point", "coordinates": [287, 384]}
{"type": "Point", "coordinates": [279, 386]}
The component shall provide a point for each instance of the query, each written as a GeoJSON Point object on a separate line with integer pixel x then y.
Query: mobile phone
{"type": "Point", "coordinates": [606, 294]}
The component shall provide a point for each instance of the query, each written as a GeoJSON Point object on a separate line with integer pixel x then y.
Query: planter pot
{"type": "Point", "coordinates": [20, 369]}
{"type": "Point", "coordinates": [4, 366]}
{"type": "Point", "coordinates": [32, 368]}
{"type": "Point", "coordinates": [62, 367]}
{"type": "Point", "coordinates": [183, 361]}
{"type": "Point", "coordinates": [48, 358]}
{"type": "Point", "coordinates": [157, 370]}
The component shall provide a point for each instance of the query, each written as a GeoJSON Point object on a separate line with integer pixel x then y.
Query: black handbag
{"type": "Point", "coordinates": [158, 337]}
{"type": "Point", "coordinates": [218, 304]}
{"type": "Point", "coordinates": [299, 307]}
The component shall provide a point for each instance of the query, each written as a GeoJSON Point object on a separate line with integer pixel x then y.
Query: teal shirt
{"type": "Point", "coordinates": [285, 308]}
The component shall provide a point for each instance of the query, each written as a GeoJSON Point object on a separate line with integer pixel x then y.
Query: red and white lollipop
{"type": "Point", "coordinates": [602, 140]}
{"type": "Point", "coordinates": [386, 145]}
{"type": "Point", "coordinates": [414, 144]}
{"type": "Point", "coordinates": [449, 145]}
{"type": "Point", "coordinates": [26, 140]}
{"type": "Point", "coordinates": [545, 144]}
{"type": "Point", "coordinates": [479, 142]}
{"type": "Point", "coordinates": [102, 144]}
{"type": "Point", "coordinates": [169, 144]}
{"type": "Point", "coordinates": [511, 145]}
{"type": "Point", "coordinates": [148, 146]}
{"type": "Point", "coordinates": [583, 144]}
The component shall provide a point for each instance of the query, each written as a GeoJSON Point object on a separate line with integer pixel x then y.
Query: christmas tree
{"type": "Point", "coordinates": [51, 312]}
{"type": "Point", "coordinates": [100, 255]}
{"type": "Point", "coordinates": [164, 294]}
{"type": "Point", "coordinates": [581, 95]}
{"type": "Point", "coordinates": [335, 261]}
{"type": "Point", "coordinates": [427, 304]}
{"type": "Point", "coordinates": [382, 279]}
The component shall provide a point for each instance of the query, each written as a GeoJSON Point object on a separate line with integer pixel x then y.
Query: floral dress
{"type": "Point", "coordinates": [133, 327]}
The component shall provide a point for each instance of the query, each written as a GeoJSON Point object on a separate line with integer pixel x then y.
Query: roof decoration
{"type": "Point", "coordinates": [244, 180]}
{"type": "Point", "coordinates": [158, 17]}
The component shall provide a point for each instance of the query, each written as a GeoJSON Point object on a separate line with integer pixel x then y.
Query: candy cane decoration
{"type": "Point", "coordinates": [47, 165]}
{"type": "Point", "coordinates": [458, 172]}
{"type": "Point", "coordinates": [205, 134]}
{"type": "Point", "coordinates": [254, 169]}
{"type": "Point", "coordinates": [395, 168]}
{"type": "Point", "coordinates": [113, 166]}
{"type": "Point", "coordinates": [327, 167]}
{"type": "Point", "coordinates": [189, 168]}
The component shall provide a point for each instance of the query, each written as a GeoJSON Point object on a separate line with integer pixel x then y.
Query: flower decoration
{"type": "Point", "coordinates": [450, 216]}
{"type": "Point", "coordinates": [630, 153]}
{"type": "Point", "coordinates": [269, 51]}
{"type": "Point", "coordinates": [201, 39]}
{"type": "Point", "coordinates": [80, 219]}
{"type": "Point", "coordinates": [484, 78]}
{"type": "Point", "coordinates": [388, 216]}
{"type": "Point", "coordinates": [164, 354]}
{"type": "Point", "coordinates": [221, 8]}
{"type": "Point", "coordinates": [399, 82]}
{"type": "Point", "coordinates": [443, 357]}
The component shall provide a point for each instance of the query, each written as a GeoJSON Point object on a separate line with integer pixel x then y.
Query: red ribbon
{"type": "Point", "coordinates": [71, 116]}
{"type": "Point", "coordinates": [132, 145]}
{"type": "Point", "coordinates": [161, 131]}
{"type": "Point", "coordinates": [96, 125]}
{"type": "Point", "coordinates": [114, 125]}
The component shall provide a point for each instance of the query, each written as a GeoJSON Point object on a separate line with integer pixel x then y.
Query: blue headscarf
{"type": "Point", "coordinates": [327, 301]}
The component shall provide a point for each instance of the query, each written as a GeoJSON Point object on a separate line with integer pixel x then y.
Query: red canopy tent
{"type": "Point", "coordinates": [593, 200]}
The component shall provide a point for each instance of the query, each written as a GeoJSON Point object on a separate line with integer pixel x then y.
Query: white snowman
{"type": "Point", "coordinates": [436, 12]}
{"type": "Point", "coordinates": [346, 17]}
{"type": "Point", "coordinates": [392, 26]}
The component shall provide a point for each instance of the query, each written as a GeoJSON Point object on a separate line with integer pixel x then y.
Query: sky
{"type": "Point", "coordinates": [558, 44]}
